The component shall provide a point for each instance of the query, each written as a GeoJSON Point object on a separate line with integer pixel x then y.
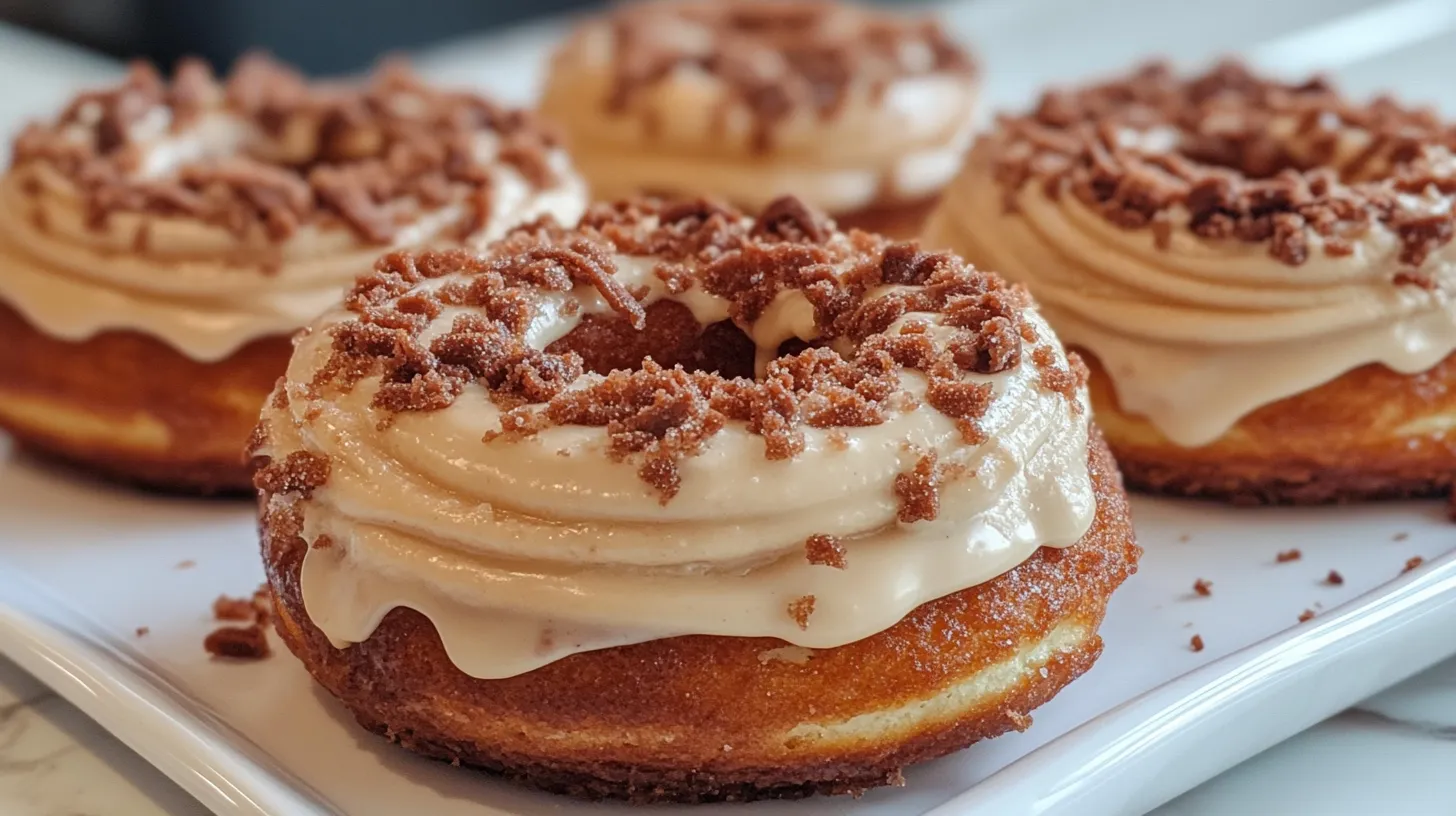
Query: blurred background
{"type": "Point", "coordinates": [320, 36]}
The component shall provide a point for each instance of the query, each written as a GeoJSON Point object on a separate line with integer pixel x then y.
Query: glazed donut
{"type": "Point", "coordinates": [859, 112]}
{"type": "Point", "coordinates": [861, 521]}
{"type": "Point", "coordinates": [1259, 274]}
{"type": "Point", "coordinates": [161, 240]}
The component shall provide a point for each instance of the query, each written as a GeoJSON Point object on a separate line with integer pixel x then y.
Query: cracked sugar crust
{"type": "Point", "coordinates": [1296, 166]}
{"type": "Point", "coordinates": [656, 416]}
{"type": "Point", "coordinates": [372, 155]}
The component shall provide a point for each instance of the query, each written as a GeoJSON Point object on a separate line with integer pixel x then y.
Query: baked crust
{"type": "Point", "coordinates": [693, 719]}
{"type": "Point", "coordinates": [1371, 433]}
{"type": "Point", "coordinates": [128, 407]}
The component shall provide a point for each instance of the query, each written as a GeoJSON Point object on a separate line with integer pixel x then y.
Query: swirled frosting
{"type": "Point", "coordinates": [1203, 294]}
{"type": "Point", "coordinates": [529, 532]}
{"type": "Point", "coordinates": [210, 215]}
{"type": "Point", "coordinates": [844, 107]}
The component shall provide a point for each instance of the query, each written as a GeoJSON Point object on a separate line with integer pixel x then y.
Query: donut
{"type": "Point", "coordinates": [161, 240]}
{"type": "Point", "coordinates": [1259, 275]}
{"type": "Point", "coordinates": [837, 508]}
{"type": "Point", "coordinates": [862, 113]}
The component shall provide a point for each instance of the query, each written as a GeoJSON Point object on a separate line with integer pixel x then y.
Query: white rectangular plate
{"type": "Point", "coordinates": [83, 566]}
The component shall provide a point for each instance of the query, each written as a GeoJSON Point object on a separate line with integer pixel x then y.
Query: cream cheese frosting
{"type": "Point", "coordinates": [522, 551]}
{"type": "Point", "coordinates": [1196, 335]}
{"type": "Point", "coordinates": [205, 288]}
{"type": "Point", "coordinates": [1196, 332]}
{"type": "Point", "coordinates": [895, 132]}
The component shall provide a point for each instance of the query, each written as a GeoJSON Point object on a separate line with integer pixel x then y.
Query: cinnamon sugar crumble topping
{"type": "Point", "coordinates": [657, 416]}
{"type": "Point", "coordinates": [372, 156]}
{"type": "Point", "coordinates": [775, 57]}
{"type": "Point", "coordinates": [919, 491]}
{"type": "Point", "coordinates": [825, 551]}
{"type": "Point", "coordinates": [299, 472]}
{"type": "Point", "coordinates": [1212, 147]}
{"type": "Point", "coordinates": [800, 609]}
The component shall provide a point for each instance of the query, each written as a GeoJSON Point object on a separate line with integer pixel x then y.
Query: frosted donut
{"type": "Point", "coordinates": [609, 509]}
{"type": "Point", "coordinates": [161, 240]}
{"type": "Point", "coordinates": [1259, 274]}
{"type": "Point", "coordinates": [860, 112]}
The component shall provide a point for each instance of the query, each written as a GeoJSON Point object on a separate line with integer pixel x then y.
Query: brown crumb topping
{"type": "Point", "coordinates": [299, 472]}
{"type": "Point", "coordinates": [1286, 556]}
{"type": "Point", "coordinates": [1306, 616]}
{"type": "Point", "coordinates": [657, 416]}
{"type": "Point", "coordinates": [1203, 588]}
{"type": "Point", "coordinates": [1413, 563]}
{"type": "Point", "coordinates": [825, 551]}
{"type": "Point", "coordinates": [1196, 643]}
{"type": "Point", "coordinates": [919, 491]}
{"type": "Point", "coordinates": [143, 631]}
{"type": "Point", "coordinates": [248, 642]}
{"type": "Point", "coordinates": [227, 608]}
{"type": "Point", "coordinates": [1136, 149]}
{"type": "Point", "coordinates": [372, 156]}
{"type": "Point", "coordinates": [775, 58]}
{"type": "Point", "coordinates": [1334, 578]}
{"type": "Point", "coordinates": [800, 609]}
{"type": "Point", "coordinates": [238, 642]}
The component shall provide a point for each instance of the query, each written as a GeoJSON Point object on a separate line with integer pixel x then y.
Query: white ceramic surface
{"type": "Point", "coordinates": [82, 566]}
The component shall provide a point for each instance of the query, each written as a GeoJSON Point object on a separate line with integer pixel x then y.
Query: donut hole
{"type": "Point", "coordinates": [671, 336]}
{"type": "Point", "coordinates": [1254, 156]}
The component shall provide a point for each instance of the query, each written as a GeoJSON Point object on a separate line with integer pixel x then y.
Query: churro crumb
{"type": "Point", "coordinates": [778, 61]}
{"type": "Point", "coordinates": [1196, 643]}
{"type": "Point", "coordinates": [1288, 555]}
{"type": "Point", "coordinates": [919, 491]}
{"type": "Point", "coordinates": [1218, 158]}
{"type": "Point", "coordinates": [657, 416]}
{"type": "Point", "coordinates": [825, 551]}
{"type": "Point", "coordinates": [227, 608]}
{"type": "Point", "coordinates": [1334, 578]}
{"type": "Point", "coordinates": [238, 642]}
{"type": "Point", "coordinates": [373, 155]}
{"type": "Point", "coordinates": [800, 609]}
{"type": "Point", "coordinates": [1203, 587]}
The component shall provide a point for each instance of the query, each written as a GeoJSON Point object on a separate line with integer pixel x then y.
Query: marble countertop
{"type": "Point", "coordinates": [1392, 755]}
